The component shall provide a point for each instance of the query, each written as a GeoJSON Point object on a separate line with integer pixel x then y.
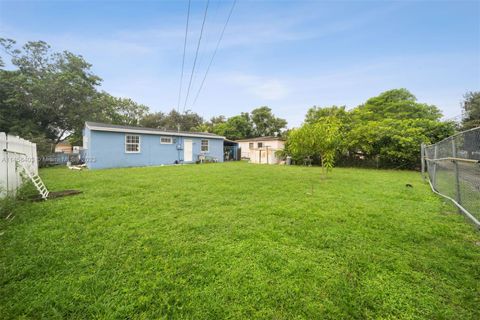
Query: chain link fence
{"type": "Point", "coordinates": [453, 167]}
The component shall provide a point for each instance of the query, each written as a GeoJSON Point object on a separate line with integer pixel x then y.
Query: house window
{"type": "Point", "coordinates": [166, 140]}
{"type": "Point", "coordinates": [260, 145]}
{"type": "Point", "coordinates": [204, 146]}
{"type": "Point", "coordinates": [250, 145]}
{"type": "Point", "coordinates": [132, 143]}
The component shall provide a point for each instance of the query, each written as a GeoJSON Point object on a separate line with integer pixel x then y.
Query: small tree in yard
{"type": "Point", "coordinates": [321, 138]}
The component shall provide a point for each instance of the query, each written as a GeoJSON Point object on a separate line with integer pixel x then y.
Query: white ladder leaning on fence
{"type": "Point", "coordinates": [37, 181]}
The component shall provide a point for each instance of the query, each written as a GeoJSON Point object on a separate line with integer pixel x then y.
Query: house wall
{"type": "Point", "coordinates": [264, 156]}
{"type": "Point", "coordinates": [251, 153]}
{"type": "Point", "coordinates": [245, 149]}
{"type": "Point", "coordinates": [107, 150]}
{"type": "Point", "coordinates": [65, 148]}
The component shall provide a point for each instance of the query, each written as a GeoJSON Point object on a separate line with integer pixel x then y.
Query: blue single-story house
{"type": "Point", "coordinates": [113, 146]}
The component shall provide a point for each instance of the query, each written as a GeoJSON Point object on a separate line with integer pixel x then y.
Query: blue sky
{"type": "Point", "coordinates": [288, 55]}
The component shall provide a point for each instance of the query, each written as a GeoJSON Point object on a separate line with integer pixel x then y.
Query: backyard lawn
{"type": "Point", "coordinates": [242, 241]}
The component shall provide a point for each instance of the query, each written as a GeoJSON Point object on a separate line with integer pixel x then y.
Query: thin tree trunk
{"type": "Point", "coordinates": [58, 140]}
{"type": "Point", "coordinates": [323, 167]}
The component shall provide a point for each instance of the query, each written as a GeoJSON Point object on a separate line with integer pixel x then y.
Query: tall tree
{"type": "Point", "coordinates": [391, 126]}
{"type": "Point", "coordinates": [153, 120]}
{"type": "Point", "coordinates": [315, 113]}
{"type": "Point", "coordinates": [53, 90]}
{"type": "Point", "coordinates": [265, 123]}
{"type": "Point", "coordinates": [471, 110]}
{"type": "Point", "coordinates": [109, 109]}
{"type": "Point", "coordinates": [187, 121]}
{"type": "Point", "coordinates": [114, 110]}
{"type": "Point", "coordinates": [211, 125]}
{"type": "Point", "coordinates": [395, 142]}
{"type": "Point", "coordinates": [236, 127]}
{"type": "Point", "coordinates": [396, 104]}
{"type": "Point", "coordinates": [217, 120]}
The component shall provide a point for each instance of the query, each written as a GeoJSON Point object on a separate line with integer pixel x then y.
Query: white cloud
{"type": "Point", "coordinates": [261, 87]}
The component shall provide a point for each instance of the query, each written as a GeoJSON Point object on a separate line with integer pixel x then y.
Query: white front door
{"type": "Point", "coordinates": [187, 150]}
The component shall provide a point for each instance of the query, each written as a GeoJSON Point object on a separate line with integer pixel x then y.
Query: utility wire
{"type": "Point", "coordinates": [196, 55]}
{"type": "Point", "coordinates": [206, 40]}
{"type": "Point", "coordinates": [215, 51]}
{"type": "Point", "coordinates": [183, 59]}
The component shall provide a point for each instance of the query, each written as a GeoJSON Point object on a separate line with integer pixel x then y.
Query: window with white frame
{"type": "Point", "coordinates": [204, 146]}
{"type": "Point", "coordinates": [166, 140]}
{"type": "Point", "coordinates": [260, 145]}
{"type": "Point", "coordinates": [250, 145]}
{"type": "Point", "coordinates": [132, 143]}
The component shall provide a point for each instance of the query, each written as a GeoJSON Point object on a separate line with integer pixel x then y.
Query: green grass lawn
{"type": "Point", "coordinates": [240, 241]}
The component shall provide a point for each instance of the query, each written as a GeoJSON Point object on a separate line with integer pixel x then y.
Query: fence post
{"type": "Point", "coordinates": [458, 197]}
{"type": "Point", "coordinates": [422, 157]}
{"type": "Point", "coordinates": [434, 175]}
{"type": "Point", "coordinates": [3, 165]}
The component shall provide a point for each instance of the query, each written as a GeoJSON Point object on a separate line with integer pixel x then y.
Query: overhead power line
{"type": "Point", "coordinates": [212, 14]}
{"type": "Point", "coordinates": [196, 55]}
{"type": "Point", "coordinates": [183, 59]}
{"type": "Point", "coordinates": [215, 52]}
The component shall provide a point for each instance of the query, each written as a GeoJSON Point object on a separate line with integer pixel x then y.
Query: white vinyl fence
{"type": "Point", "coordinates": [13, 152]}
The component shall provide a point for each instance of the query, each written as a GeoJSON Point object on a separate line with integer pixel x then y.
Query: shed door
{"type": "Point", "coordinates": [187, 151]}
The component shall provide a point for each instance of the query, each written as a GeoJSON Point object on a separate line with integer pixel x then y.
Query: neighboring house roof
{"type": "Point", "coordinates": [267, 138]}
{"type": "Point", "coordinates": [97, 126]}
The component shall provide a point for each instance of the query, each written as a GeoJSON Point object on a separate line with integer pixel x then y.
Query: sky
{"type": "Point", "coordinates": [288, 55]}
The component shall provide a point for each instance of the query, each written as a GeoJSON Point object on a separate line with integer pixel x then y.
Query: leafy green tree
{"type": "Point", "coordinates": [314, 114]}
{"type": "Point", "coordinates": [265, 123]}
{"type": "Point", "coordinates": [396, 141]}
{"type": "Point", "coordinates": [187, 121]}
{"type": "Point", "coordinates": [322, 138]}
{"type": "Point", "coordinates": [237, 127]}
{"type": "Point", "coordinates": [153, 120]}
{"type": "Point", "coordinates": [471, 110]}
{"type": "Point", "coordinates": [261, 122]}
{"type": "Point", "coordinates": [204, 127]}
{"type": "Point", "coordinates": [391, 127]}
{"type": "Point", "coordinates": [209, 126]}
{"type": "Point", "coordinates": [217, 120]}
{"type": "Point", "coordinates": [50, 95]}
{"type": "Point", "coordinates": [114, 110]}
{"type": "Point", "coordinates": [388, 129]}
{"type": "Point", "coordinates": [53, 91]}
{"type": "Point", "coordinates": [396, 104]}
{"type": "Point", "coordinates": [110, 109]}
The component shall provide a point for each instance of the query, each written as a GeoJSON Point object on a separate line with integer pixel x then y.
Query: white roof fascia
{"type": "Point", "coordinates": [160, 133]}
